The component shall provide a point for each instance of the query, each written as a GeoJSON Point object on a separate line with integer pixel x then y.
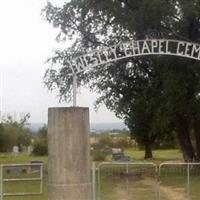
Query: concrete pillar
{"type": "Point", "coordinates": [69, 160]}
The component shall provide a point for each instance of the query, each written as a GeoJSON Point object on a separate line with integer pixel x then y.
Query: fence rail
{"type": "Point", "coordinates": [157, 180]}
{"type": "Point", "coordinates": [141, 180]}
{"type": "Point", "coordinates": [182, 175]}
{"type": "Point", "coordinates": [31, 168]}
{"type": "Point", "coordinates": [125, 175]}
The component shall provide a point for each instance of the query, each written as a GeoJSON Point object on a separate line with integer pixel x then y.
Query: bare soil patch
{"type": "Point", "coordinates": [167, 191]}
{"type": "Point", "coordinates": [141, 187]}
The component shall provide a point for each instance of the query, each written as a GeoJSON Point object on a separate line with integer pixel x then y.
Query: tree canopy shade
{"type": "Point", "coordinates": [155, 96]}
{"type": "Point", "coordinates": [14, 133]}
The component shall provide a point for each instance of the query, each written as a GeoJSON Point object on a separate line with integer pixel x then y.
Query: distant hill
{"type": "Point", "coordinates": [99, 127]}
{"type": "Point", "coordinates": [94, 127]}
{"type": "Point", "coordinates": [34, 127]}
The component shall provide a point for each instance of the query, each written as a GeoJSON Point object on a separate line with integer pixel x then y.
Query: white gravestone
{"type": "Point", "coordinates": [30, 150]}
{"type": "Point", "coordinates": [15, 150]}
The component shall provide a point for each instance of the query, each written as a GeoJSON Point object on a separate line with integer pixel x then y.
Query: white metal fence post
{"type": "Point", "coordinates": [159, 181]}
{"type": "Point", "coordinates": [74, 90]}
{"type": "Point", "coordinates": [188, 180]}
{"type": "Point", "coordinates": [1, 169]}
{"type": "Point", "coordinates": [98, 183]}
{"type": "Point", "coordinates": [93, 181]}
{"type": "Point", "coordinates": [127, 170]}
{"type": "Point", "coordinates": [41, 177]}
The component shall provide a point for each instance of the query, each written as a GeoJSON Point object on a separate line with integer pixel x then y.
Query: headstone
{"type": "Point", "coordinates": [120, 157]}
{"type": "Point", "coordinates": [116, 150]}
{"type": "Point", "coordinates": [36, 168]}
{"type": "Point", "coordinates": [30, 150]}
{"type": "Point", "coordinates": [15, 150]}
{"type": "Point", "coordinates": [14, 169]}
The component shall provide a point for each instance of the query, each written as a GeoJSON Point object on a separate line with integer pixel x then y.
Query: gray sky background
{"type": "Point", "coordinates": [26, 41]}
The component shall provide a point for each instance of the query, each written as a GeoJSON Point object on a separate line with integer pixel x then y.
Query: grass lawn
{"type": "Point", "coordinates": [173, 185]}
{"type": "Point", "coordinates": [113, 189]}
{"type": "Point", "coordinates": [159, 155]}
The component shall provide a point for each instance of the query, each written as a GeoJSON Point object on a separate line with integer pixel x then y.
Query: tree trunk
{"type": "Point", "coordinates": [197, 138]}
{"type": "Point", "coordinates": [148, 150]}
{"type": "Point", "coordinates": [185, 140]}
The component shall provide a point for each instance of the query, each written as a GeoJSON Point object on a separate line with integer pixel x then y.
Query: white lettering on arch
{"type": "Point", "coordinates": [132, 49]}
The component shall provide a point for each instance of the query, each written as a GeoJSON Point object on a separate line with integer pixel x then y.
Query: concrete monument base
{"type": "Point", "coordinates": [69, 157]}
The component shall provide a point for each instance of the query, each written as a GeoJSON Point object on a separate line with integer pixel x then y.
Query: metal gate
{"type": "Point", "coordinates": [117, 180]}
{"type": "Point", "coordinates": [179, 181]}
{"type": "Point", "coordinates": [146, 181]}
{"type": "Point", "coordinates": [21, 180]}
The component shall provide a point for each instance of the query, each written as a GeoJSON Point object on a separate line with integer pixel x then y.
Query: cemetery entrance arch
{"type": "Point", "coordinates": [68, 128]}
{"type": "Point", "coordinates": [129, 49]}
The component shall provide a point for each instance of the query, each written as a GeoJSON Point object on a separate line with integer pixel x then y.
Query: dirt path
{"type": "Point", "coordinates": [173, 194]}
{"type": "Point", "coordinates": [167, 193]}
{"type": "Point", "coordinates": [121, 194]}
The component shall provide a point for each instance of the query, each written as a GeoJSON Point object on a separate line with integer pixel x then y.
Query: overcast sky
{"type": "Point", "coordinates": [26, 41]}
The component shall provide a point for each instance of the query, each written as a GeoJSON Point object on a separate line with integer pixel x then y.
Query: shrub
{"type": "Point", "coordinates": [40, 147]}
{"type": "Point", "coordinates": [105, 140]}
{"type": "Point", "coordinates": [98, 155]}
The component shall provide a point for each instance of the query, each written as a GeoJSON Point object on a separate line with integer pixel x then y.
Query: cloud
{"type": "Point", "coordinates": [26, 42]}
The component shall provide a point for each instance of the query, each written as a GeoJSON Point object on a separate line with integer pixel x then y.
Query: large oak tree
{"type": "Point", "coordinates": [155, 96]}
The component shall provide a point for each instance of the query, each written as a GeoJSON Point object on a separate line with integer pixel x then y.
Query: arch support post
{"type": "Point", "coordinates": [69, 158]}
{"type": "Point", "coordinates": [74, 90]}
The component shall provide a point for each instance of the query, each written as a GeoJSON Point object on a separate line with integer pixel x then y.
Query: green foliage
{"type": "Point", "coordinates": [14, 133]}
{"type": "Point", "coordinates": [40, 146]}
{"type": "Point", "coordinates": [122, 141]}
{"type": "Point", "coordinates": [98, 155]}
{"type": "Point", "coordinates": [106, 141]}
{"type": "Point", "coordinates": [156, 97]}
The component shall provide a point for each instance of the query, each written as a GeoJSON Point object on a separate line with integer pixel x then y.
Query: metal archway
{"type": "Point", "coordinates": [129, 49]}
